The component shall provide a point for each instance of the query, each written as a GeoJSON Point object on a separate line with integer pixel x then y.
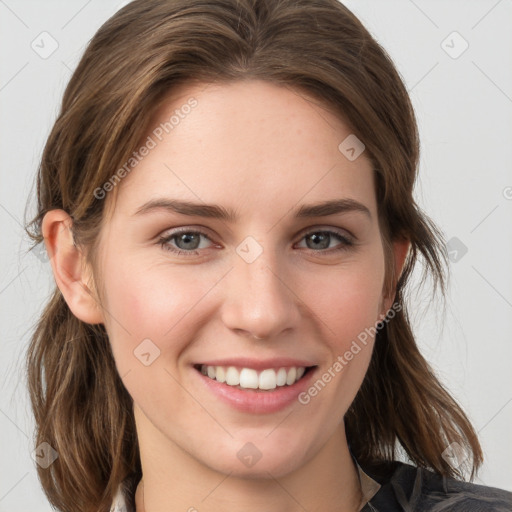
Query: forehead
{"type": "Point", "coordinates": [249, 145]}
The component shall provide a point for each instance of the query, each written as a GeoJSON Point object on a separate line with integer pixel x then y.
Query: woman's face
{"type": "Point", "coordinates": [307, 281]}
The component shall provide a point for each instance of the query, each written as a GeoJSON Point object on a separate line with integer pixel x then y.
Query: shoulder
{"type": "Point", "coordinates": [405, 487]}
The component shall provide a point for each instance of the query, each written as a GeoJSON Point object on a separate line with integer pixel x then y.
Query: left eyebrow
{"type": "Point", "coordinates": [212, 211]}
{"type": "Point", "coordinates": [332, 207]}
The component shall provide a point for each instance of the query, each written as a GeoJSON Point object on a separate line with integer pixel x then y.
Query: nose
{"type": "Point", "coordinates": [259, 299]}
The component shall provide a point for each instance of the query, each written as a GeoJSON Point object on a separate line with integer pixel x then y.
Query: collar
{"type": "Point", "coordinates": [369, 486]}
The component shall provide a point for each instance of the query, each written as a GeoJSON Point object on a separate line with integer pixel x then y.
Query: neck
{"type": "Point", "coordinates": [173, 480]}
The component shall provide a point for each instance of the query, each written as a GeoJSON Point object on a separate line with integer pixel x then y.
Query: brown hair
{"type": "Point", "coordinates": [140, 55]}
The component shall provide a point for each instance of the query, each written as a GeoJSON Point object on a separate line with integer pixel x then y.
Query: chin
{"type": "Point", "coordinates": [275, 466]}
{"type": "Point", "coordinates": [261, 458]}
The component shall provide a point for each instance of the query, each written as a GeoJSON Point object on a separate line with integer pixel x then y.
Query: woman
{"type": "Point", "coordinates": [226, 199]}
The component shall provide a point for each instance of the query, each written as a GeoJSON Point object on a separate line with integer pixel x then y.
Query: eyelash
{"type": "Point", "coordinates": [346, 242]}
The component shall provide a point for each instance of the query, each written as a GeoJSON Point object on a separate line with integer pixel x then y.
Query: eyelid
{"type": "Point", "coordinates": [171, 232]}
{"type": "Point", "coordinates": [334, 229]}
{"type": "Point", "coordinates": [346, 238]}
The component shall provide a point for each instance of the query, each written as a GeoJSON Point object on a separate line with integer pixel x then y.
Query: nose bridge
{"type": "Point", "coordinates": [258, 300]}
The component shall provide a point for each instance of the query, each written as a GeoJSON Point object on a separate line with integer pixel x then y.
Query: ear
{"type": "Point", "coordinates": [400, 248]}
{"type": "Point", "coordinates": [70, 270]}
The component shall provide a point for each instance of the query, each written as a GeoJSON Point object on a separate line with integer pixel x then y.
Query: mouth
{"type": "Point", "coordinates": [250, 379]}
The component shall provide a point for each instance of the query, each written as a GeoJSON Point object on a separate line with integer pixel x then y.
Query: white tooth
{"type": "Point", "coordinates": [281, 377]}
{"type": "Point", "coordinates": [249, 378]}
{"type": "Point", "coordinates": [290, 378]}
{"type": "Point", "coordinates": [220, 374]}
{"type": "Point", "coordinates": [232, 376]}
{"type": "Point", "coordinates": [203, 370]}
{"type": "Point", "coordinates": [267, 379]}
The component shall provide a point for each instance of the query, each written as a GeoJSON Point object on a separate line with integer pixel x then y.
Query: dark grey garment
{"type": "Point", "coordinates": [406, 488]}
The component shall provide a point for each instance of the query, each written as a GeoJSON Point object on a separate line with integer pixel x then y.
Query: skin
{"type": "Point", "coordinates": [262, 150]}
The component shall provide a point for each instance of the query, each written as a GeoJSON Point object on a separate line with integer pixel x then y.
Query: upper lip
{"type": "Point", "coordinates": [259, 364]}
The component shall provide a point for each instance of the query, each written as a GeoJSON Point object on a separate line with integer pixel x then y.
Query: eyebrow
{"type": "Point", "coordinates": [212, 211]}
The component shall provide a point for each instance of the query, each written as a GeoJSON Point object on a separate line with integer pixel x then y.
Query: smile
{"type": "Point", "coordinates": [249, 378]}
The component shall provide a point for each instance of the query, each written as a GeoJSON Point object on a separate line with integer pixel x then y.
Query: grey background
{"type": "Point", "coordinates": [464, 109]}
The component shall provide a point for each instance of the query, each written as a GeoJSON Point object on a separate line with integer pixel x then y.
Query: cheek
{"type": "Point", "coordinates": [153, 313]}
{"type": "Point", "coordinates": [348, 306]}
{"type": "Point", "coordinates": [151, 303]}
{"type": "Point", "coordinates": [349, 300]}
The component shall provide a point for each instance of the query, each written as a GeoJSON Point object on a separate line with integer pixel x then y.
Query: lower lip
{"type": "Point", "coordinates": [254, 401]}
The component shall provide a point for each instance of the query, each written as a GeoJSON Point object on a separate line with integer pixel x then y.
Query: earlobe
{"type": "Point", "coordinates": [68, 265]}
